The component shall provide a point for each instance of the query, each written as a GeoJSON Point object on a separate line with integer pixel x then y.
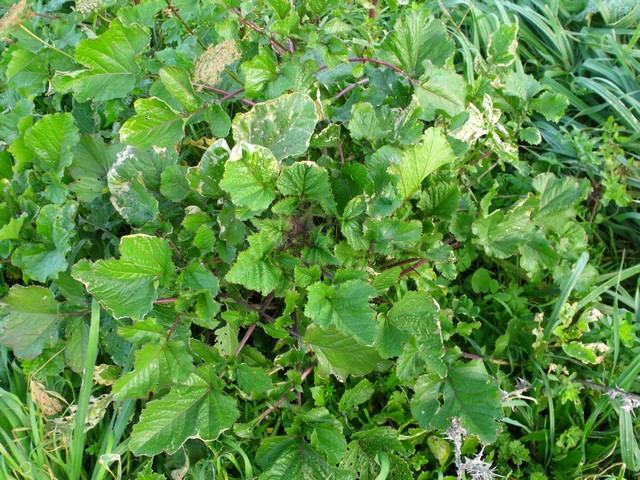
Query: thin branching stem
{"type": "Point", "coordinates": [268, 412]}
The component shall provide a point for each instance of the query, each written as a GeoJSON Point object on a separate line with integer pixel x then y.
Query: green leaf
{"type": "Point", "coordinates": [368, 448]}
{"type": "Point", "coordinates": [178, 83]}
{"type": "Point", "coordinates": [28, 320]}
{"type": "Point", "coordinates": [418, 37]}
{"type": "Point", "coordinates": [205, 178]}
{"type": "Point", "coordinates": [550, 105]}
{"type": "Point", "coordinates": [283, 125]}
{"type": "Point", "coordinates": [218, 120]}
{"type": "Point", "coordinates": [289, 457]}
{"type": "Point", "coordinates": [367, 123]}
{"type": "Point", "coordinates": [531, 135]}
{"type": "Point", "coordinates": [308, 182]}
{"type": "Point", "coordinates": [580, 352]}
{"type": "Point", "coordinates": [250, 177]}
{"type": "Point", "coordinates": [111, 61]}
{"type": "Point", "coordinates": [51, 141]}
{"type": "Point", "coordinates": [537, 255]}
{"type": "Point", "coordinates": [418, 314]}
{"type": "Point", "coordinates": [355, 396]}
{"type": "Point", "coordinates": [558, 199]}
{"type": "Point", "coordinates": [56, 227]}
{"type": "Point", "coordinates": [252, 379]}
{"type": "Point", "coordinates": [258, 71]}
{"type": "Point", "coordinates": [11, 229]}
{"type": "Point", "coordinates": [420, 161]}
{"type": "Point", "coordinates": [352, 223]}
{"type": "Point", "coordinates": [254, 268]}
{"type": "Point", "coordinates": [128, 287]}
{"type": "Point", "coordinates": [346, 306]}
{"type": "Point", "coordinates": [342, 355]}
{"type": "Point", "coordinates": [156, 365]}
{"type": "Point", "coordinates": [92, 158]}
{"type": "Point", "coordinates": [75, 352]}
{"type": "Point", "coordinates": [502, 45]}
{"type": "Point", "coordinates": [502, 234]}
{"type": "Point", "coordinates": [440, 200]}
{"type": "Point", "coordinates": [443, 91]}
{"type": "Point", "coordinates": [468, 393]}
{"type": "Point", "coordinates": [129, 194]}
{"type": "Point", "coordinates": [175, 185]}
{"type": "Point", "coordinates": [196, 409]}
{"type": "Point", "coordinates": [27, 72]}
{"type": "Point", "coordinates": [156, 124]}
{"type": "Point", "coordinates": [388, 234]}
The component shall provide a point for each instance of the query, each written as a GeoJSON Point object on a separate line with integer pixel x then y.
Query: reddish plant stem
{"type": "Point", "coordinates": [232, 95]}
{"type": "Point", "coordinates": [267, 412]}
{"type": "Point", "coordinates": [372, 11]}
{"type": "Point", "coordinates": [413, 267]}
{"type": "Point", "coordinates": [227, 95]}
{"type": "Point", "coordinates": [248, 305]}
{"type": "Point", "coordinates": [245, 339]}
{"type": "Point", "coordinates": [173, 327]}
{"type": "Point", "coordinates": [163, 301]}
{"type": "Point", "coordinates": [351, 87]}
{"type": "Point", "coordinates": [473, 356]}
{"type": "Point", "coordinates": [400, 263]}
{"type": "Point", "coordinates": [175, 12]}
{"type": "Point", "coordinates": [248, 333]}
{"type": "Point", "coordinates": [281, 49]}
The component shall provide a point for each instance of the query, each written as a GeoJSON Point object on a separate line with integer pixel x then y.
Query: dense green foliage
{"type": "Point", "coordinates": [319, 239]}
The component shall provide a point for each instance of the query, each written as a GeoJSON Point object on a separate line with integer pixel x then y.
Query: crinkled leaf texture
{"type": "Point", "coordinates": [196, 409]}
{"type": "Point", "coordinates": [134, 178]}
{"type": "Point", "coordinates": [92, 158]}
{"type": "Point", "coordinates": [376, 444]}
{"type": "Point", "coordinates": [418, 38]}
{"type": "Point", "coordinates": [254, 268]}
{"type": "Point", "coordinates": [468, 393]}
{"type": "Point", "coordinates": [28, 320]}
{"type": "Point", "coordinates": [155, 124]}
{"type": "Point", "coordinates": [111, 61]}
{"type": "Point", "coordinates": [156, 365]}
{"type": "Point", "coordinates": [502, 234]}
{"type": "Point", "coordinates": [127, 287]}
{"type": "Point", "coordinates": [250, 177]}
{"type": "Point", "coordinates": [342, 355]}
{"type": "Point", "coordinates": [51, 141]}
{"type": "Point", "coordinates": [290, 457]}
{"type": "Point", "coordinates": [421, 160]}
{"type": "Point", "coordinates": [416, 313]}
{"type": "Point", "coordinates": [283, 125]}
{"type": "Point", "coordinates": [346, 306]}
{"type": "Point", "coordinates": [309, 182]}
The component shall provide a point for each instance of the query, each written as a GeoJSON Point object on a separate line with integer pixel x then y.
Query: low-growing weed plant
{"type": "Point", "coordinates": [313, 240]}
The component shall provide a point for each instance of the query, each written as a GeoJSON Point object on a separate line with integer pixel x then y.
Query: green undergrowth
{"type": "Point", "coordinates": [319, 239]}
